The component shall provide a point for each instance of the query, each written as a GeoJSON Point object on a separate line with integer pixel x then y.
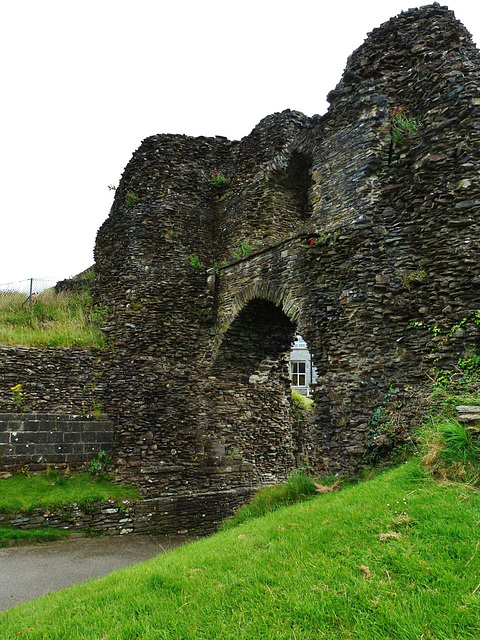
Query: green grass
{"type": "Point", "coordinates": [298, 488]}
{"type": "Point", "coordinates": [47, 534]}
{"type": "Point", "coordinates": [319, 569]}
{"type": "Point", "coordinates": [52, 320]}
{"type": "Point", "coordinates": [448, 449]}
{"type": "Point", "coordinates": [302, 402]}
{"type": "Point", "coordinates": [22, 493]}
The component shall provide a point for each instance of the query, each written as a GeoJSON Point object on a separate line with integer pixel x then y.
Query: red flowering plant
{"type": "Point", "coordinates": [218, 179]}
{"type": "Point", "coordinates": [322, 238]}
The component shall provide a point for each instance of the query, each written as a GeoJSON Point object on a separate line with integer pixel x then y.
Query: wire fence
{"type": "Point", "coordinates": [30, 288]}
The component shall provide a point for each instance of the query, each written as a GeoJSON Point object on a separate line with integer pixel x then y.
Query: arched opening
{"type": "Point", "coordinates": [253, 418]}
{"type": "Point", "coordinates": [259, 339]}
{"type": "Point", "coordinates": [251, 398]}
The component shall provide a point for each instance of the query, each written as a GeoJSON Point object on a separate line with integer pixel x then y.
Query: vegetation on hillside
{"type": "Point", "coordinates": [394, 557]}
{"type": "Point", "coordinates": [50, 320]}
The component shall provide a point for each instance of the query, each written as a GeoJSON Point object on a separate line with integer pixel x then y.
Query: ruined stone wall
{"type": "Point", "coordinates": [348, 249]}
{"type": "Point", "coordinates": [360, 248]}
{"type": "Point", "coordinates": [63, 397]}
{"type": "Point", "coordinates": [99, 518]}
{"type": "Point", "coordinates": [53, 380]}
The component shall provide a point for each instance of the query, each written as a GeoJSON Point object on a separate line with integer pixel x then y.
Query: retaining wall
{"type": "Point", "coordinates": [39, 439]}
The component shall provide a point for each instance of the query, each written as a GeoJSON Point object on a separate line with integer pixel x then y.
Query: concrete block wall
{"type": "Point", "coordinates": [38, 439]}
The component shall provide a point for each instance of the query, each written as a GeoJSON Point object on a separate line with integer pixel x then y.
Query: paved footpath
{"type": "Point", "coordinates": [28, 572]}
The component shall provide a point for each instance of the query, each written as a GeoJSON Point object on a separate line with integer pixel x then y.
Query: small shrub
{"type": "Point", "coordinates": [131, 199]}
{"type": "Point", "coordinates": [195, 261]}
{"type": "Point", "coordinates": [98, 466]}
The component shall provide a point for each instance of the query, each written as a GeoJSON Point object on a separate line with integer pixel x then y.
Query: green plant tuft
{"type": "Point", "coordinates": [131, 199]}
{"type": "Point", "coordinates": [99, 465]}
{"type": "Point", "coordinates": [298, 487]}
{"type": "Point", "coordinates": [218, 180]}
{"type": "Point", "coordinates": [195, 261]}
{"type": "Point", "coordinates": [401, 126]}
{"type": "Point", "coordinates": [450, 451]}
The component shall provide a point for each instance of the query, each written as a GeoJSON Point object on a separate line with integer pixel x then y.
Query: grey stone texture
{"type": "Point", "coordinates": [360, 248]}
{"type": "Point", "coordinates": [105, 518]}
{"type": "Point", "coordinates": [37, 440]}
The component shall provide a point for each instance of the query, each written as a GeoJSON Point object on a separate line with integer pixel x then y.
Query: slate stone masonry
{"type": "Point", "coordinates": [371, 256]}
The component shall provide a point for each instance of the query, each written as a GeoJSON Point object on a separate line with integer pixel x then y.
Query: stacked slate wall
{"type": "Point", "coordinates": [370, 253]}
{"type": "Point", "coordinates": [351, 250]}
{"type": "Point", "coordinates": [60, 422]}
{"type": "Point", "coordinates": [53, 380]}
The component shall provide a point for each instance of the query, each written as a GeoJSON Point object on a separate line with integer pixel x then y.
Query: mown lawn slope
{"type": "Point", "coordinates": [396, 557]}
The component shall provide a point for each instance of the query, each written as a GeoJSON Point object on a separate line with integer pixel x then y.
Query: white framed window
{"type": "Point", "coordinates": [298, 375]}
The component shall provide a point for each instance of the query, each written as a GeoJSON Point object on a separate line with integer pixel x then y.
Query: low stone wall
{"type": "Point", "coordinates": [187, 515]}
{"type": "Point", "coordinates": [107, 518]}
{"type": "Point", "coordinates": [38, 439]}
{"type": "Point", "coordinates": [195, 514]}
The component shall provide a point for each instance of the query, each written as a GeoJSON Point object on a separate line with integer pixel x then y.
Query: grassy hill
{"type": "Point", "coordinates": [396, 557]}
{"type": "Point", "coordinates": [50, 320]}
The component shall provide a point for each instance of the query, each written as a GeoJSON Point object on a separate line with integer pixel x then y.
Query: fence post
{"type": "Point", "coordinates": [29, 299]}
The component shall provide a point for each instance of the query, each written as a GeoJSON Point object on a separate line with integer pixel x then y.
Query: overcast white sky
{"type": "Point", "coordinates": [83, 83]}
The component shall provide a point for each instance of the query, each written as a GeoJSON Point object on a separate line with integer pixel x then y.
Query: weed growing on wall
{"type": "Point", "coordinates": [131, 199]}
{"type": "Point", "coordinates": [467, 368]}
{"type": "Point", "coordinates": [18, 397]}
{"type": "Point", "coordinates": [99, 465]}
{"type": "Point", "coordinates": [401, 126]}
{"type": "Point", "coordinates": [415, 277]}
{"type": "Point", "coordinates": [242, 250]}
{"type": "Point", "coordinates": [218, 180]}
{"type": "Point", "coordinates": [195, 261]}
{"type": "Point", "coordinates": [384, 427]}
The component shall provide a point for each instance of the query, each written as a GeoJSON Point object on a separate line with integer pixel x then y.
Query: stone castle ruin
{"type": "Point", "coordinates": [322, 228]}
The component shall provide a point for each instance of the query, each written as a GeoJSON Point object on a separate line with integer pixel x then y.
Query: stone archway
{"type": "Point", "coordinates": [251, 389]}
